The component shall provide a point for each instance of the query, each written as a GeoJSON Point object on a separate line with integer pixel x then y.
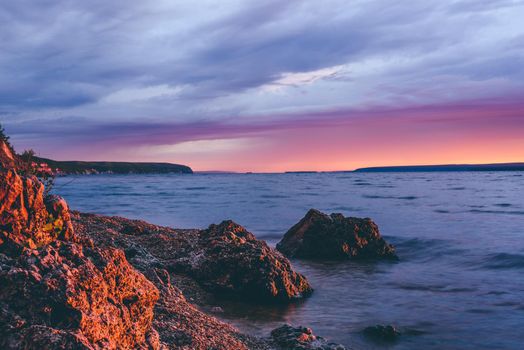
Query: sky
{"type": "Point", "coordinates": [265, 86]}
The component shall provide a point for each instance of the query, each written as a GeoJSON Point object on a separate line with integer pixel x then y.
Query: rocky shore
{"type": "Point", "coordinates": [71, 280]}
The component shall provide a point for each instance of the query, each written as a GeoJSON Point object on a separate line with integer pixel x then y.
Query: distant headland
{"type": "Point", "coordinates": [447, 167]}
{"type": "Point", "coordinates": [80, 167]}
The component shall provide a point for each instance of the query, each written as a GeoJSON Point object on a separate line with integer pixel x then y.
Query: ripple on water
{"type": "Point", "coordinates": [376, 196]}
{"type": "Point", "coordinates": [504, 261]}
{"type": "Point", "coordinates": [508, 212]}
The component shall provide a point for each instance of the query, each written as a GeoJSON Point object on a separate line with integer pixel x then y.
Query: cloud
{"type": "Point", "coordinates": [158, 71]}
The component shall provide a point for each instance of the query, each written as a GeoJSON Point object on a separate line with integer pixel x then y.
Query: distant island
{"type": "Point", "coordinates": [447, 167]}
{"type": "Point", "coordinates": [79, 167]}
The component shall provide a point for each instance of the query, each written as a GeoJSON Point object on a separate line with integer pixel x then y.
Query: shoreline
{"type": "Point", "coordinates": [144, 253]}
{"type": "Point", "coordinates": [70, 280]}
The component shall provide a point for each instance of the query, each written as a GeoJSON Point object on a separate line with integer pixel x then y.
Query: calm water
{"type": "Point", "coordinates": [460, 237]}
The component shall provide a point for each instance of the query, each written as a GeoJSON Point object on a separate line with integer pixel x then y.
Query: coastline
{"type": "Point", "coordinates": [70, 280]}
{"type": "Point", "coordinates": [150, 248]}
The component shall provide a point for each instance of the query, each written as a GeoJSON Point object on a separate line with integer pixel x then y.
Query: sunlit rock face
{"type": "Point", "coordinates": [335, 237]}
{"type": "Point", "coordinates": [27, 219]}
{"type": "Point", "coordinates": [65, 296]}
{"type": "Point", "coordinates": [7, 158]}
{"type": "Point", "coordinates": [55, 291]}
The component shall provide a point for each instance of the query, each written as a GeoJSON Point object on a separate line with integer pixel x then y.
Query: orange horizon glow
{"type": "Point", "coordinates": [331, 141]}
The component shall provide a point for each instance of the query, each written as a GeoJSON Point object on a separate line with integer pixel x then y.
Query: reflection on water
{"type": "Point", "coordinates": [459, 283]}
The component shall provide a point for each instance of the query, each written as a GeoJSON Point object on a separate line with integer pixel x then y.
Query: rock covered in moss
{"type": "Point", "coordinates": [322, 236]}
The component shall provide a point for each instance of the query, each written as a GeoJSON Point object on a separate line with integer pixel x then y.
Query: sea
{"type": "Point", "coordinates": [459, 283]}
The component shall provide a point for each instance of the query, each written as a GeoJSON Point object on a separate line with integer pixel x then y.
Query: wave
{"type": "Point", "coordinates": [503, 205]}
{"type": "Point", "coordinates": [373, 196]}
{"type": "Point", "coordinates": [435, 288]}
{"type": "Point", "coordinates": [504, 261]}
{"type": "Point", "coordinates": [509, 212]}
{"type": "Point", "coordinates": [421, 250]}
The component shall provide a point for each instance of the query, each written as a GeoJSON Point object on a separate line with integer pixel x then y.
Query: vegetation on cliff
{"type": "Point", "coordinates": [80, 167]}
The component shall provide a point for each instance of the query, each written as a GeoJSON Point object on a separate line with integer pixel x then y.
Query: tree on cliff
{"type": "Point", "coordinates": [5, 138]}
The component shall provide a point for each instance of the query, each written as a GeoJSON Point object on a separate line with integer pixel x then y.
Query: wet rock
{"type": "Point", "coordinates": [65, 296]}
{"type": "Point", "coordinates": [322, 236]}
{"type": "Point", "coordinates": [230, 260]}
{"type": "Point", "coordinates": [382, 333]}
{"type": "Point", "coordinates": [217, 309]}
{"type": "Point", "coordinates": [287, 337]}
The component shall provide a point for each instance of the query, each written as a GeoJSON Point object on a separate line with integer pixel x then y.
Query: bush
{"type": "Point", "coordinates": [29, 166]}
{"type": "Point", "coordinates": [5, 138]}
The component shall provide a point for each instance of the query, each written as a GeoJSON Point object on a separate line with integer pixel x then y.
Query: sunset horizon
{"type": "Point", "coordinates": [261, 175]}
{"type": "Point", "coordinates": [266, 87]}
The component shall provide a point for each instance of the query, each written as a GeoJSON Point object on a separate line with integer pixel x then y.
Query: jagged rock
{"type": "Point", "coordinates": [7, 159]}
{"type": "Point", "coordinates": [230, 260]}
{"type": "Point", "coordinates": [225, 259]}
{"type": "Point", "coordinates": [26, 219]}
{"type": "Point", "coordinates": [153, 250]}
{"type": "Point", "coordinates": [382, 333]}
{"type": "Point", "coordinates": [23, 215]}
{"type": "Point", "coordinates": [66, 296]}
{"type": "Point", "coordinates": [322, 236]}
{"type": "Point", "coordinates": [287, 337]}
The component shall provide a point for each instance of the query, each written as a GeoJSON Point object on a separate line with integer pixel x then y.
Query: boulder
{"type": "Point", "coordinates": [68, 296]}
{"type": "Point", "coordinates": [335, 237]}
{"type": "Point", "coordinates": [287, 337]}
{"type": "Point", "coordinates": [229, 260]}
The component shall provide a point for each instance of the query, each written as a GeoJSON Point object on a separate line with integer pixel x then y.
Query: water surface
{"type": "Point", "coordinates": [460, 236]}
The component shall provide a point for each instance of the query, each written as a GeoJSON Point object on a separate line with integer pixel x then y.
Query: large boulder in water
{"type": "Point", "coordinates": [322, 236]}
{"type": "Point", "coordinates": [230, 260]}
